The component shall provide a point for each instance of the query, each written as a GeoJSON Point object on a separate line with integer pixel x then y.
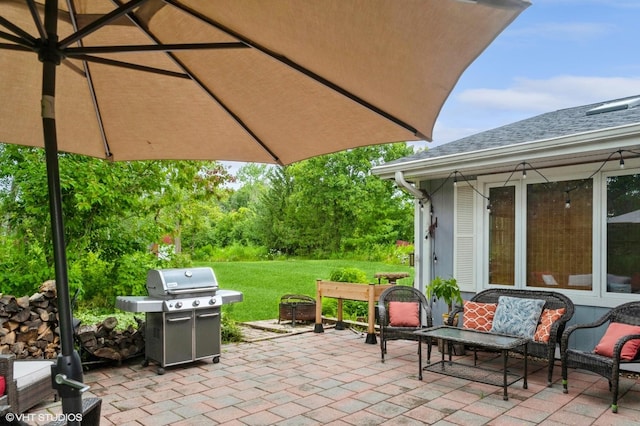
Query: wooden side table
{"type": "Point", "coordinates": [391, 277]}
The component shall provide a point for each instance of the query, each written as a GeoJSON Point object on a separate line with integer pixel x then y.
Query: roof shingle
{"type": "Point", "coordinates": [564, 122]}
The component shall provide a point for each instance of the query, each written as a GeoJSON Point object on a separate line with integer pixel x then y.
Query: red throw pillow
{"type": "Point", "coordinates": [2, 385]}
{"type": "Point", "coordinates": [478, 316]}
{"type": "Point", "coordinates": [614, 332]}
{"type": "Point", "coordinates": [404, 314]}
{"type": "Point", "coordinates": [548, 317]}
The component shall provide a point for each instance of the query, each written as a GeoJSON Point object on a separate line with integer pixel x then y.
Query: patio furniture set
{"type": "Point", "coordinates": [527, 322]}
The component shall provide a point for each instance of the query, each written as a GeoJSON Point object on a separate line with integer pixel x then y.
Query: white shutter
{"type": "Point", "coordinates": [463, 237]}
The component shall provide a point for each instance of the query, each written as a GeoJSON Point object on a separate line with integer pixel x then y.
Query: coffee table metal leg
{"type": "Point", "coordinates": [504, 372]}
{"type": "Point", "coordinates": [525, 367]}
{"type": "Point", "coordinates": [420, 358]}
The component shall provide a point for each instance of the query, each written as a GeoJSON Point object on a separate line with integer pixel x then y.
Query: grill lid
{"type": "Point", "coordinates": [176, 282]}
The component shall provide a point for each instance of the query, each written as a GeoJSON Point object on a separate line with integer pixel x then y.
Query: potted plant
{"type": "Point", "coordinates": [447, 290]}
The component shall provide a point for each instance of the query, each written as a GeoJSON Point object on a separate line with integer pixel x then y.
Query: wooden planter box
{"type": "Point", "coordinates": [350, 291]}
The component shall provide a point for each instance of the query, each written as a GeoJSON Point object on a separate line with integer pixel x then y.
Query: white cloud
{"type": "Point", "coordinates": [566, 31]}
{"type": "Point", "coordinates": [614, 4]}
{"type": "Point", "coordinates": [537, 96]}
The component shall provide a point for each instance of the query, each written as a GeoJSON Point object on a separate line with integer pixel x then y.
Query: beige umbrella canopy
{"type": "Point", "coordinates": [245, 80]}
{"type": "Point", "coordinates": [301, 78]}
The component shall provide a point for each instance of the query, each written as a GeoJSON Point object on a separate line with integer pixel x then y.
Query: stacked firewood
{"type": "Point", "coordinates": [27, 324]}
{"type": "Point", "coordinates": [29, 329]}
{"type": "Point", "coordinates": [103, 340]}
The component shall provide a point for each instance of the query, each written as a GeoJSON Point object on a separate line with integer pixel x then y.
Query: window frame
{"type": "Point", "coordinates": [603, 227]}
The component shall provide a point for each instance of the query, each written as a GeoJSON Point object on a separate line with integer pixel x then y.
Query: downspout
{"type": "Point", "coordinates": [421, 245]}
{"type": "Point", "coordinates": [418, 193]}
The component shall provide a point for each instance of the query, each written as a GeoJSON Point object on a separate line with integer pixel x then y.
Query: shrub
{"type": "Point", "coordinates": [348, 275]}
{"type": "Point", "coordinates": [229, 329]}
{"type": "Point", "coordinates": [91, 275]}
{"type": "Point", "coordinates": [351, 309]}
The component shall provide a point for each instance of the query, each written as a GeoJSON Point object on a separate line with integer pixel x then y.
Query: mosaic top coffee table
{"type": "Point", "coordinates": [480, 339]}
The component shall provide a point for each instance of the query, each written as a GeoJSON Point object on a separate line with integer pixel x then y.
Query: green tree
{"type": "Point", "coordinates": [332, 204]}
{"type": "Point", "coordinates": [252, 180]}
{"type": "Point", "coordinates": [275, 225]}
{"type": "Point", "coordinates": [110, 211]}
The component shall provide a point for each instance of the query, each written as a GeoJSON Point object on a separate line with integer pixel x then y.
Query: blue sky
{"type": "Point", "coordinates": [556, 54]}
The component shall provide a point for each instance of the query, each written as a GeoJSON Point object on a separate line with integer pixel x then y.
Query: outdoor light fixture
{"type": "Point", "coordinates": [621, 159]}
{"type": "Point", "coordinates": [567, 203]}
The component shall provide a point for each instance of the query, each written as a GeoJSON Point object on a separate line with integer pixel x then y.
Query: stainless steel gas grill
{"type": "Point", "coordinates": [182, 315]}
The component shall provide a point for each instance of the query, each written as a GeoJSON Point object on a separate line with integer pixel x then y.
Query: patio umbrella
{"type": "Point", "coordinates": [245, 80]}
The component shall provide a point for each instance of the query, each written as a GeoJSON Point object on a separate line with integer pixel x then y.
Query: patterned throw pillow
{"type": "Point", "coordinates": [614, 332]}
{"type": "Point", "coordinates": [549, 316]}
{"type": "Point", "coordinates": [517, 316]}
{"type": "Point", "coordinates": [404, 314]}
{"type": "Point", "coordinates": [478, 316]}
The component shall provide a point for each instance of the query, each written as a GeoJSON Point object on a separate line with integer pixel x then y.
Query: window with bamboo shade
{"type": "Point", "coordinates": [559, 229]}
{"type": "Point", "coordinates": [502, 238]}
{"type": "Point", "coordinates": [559, 235]}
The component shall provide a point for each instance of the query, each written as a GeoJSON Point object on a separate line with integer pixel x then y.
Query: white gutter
{"type": "Point", "coordinates": [570, 147]}
{"type": "Point", "coordinates": [418, 193]}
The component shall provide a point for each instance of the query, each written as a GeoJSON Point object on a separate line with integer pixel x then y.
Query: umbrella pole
{"type": "Point", "coordinates": [67, 372]}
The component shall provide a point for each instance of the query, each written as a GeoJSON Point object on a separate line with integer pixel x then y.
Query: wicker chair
{"type": "Point", "coordinates": [552, 300]}
{"type": "Point", "coordinates": [402, 293]}
{"type": "Point", "coordinates": [628, 313]}
{"type": "Point", "coordinates": [28, 382]}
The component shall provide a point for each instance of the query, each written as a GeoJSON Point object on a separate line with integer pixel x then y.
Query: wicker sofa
{"type": "Point", "coordinates": [553, 300]}
{"type": "Point", "coordinates": [28, 382]}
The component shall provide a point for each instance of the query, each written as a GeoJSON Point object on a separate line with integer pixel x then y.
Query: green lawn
{"type": "Point", "coordinates": [263, 283]}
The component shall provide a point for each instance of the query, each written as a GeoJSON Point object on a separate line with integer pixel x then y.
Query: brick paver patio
{"type": "Point", "coordinates": [334, 378]}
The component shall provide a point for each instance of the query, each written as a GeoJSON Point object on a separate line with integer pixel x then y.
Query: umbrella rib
{"type": "Point", "coordinates": [297, 67]}
{"type": "Point", "coordinates": [71, 51]}
{"type": "Point", "coordinates": [91, 87]}
{"type": "Point", "coordinates": [22, 34]}
{"type": "Point", "coordinates": [99, 23]}
{"type": "Point", "coordinates": [20, 44]}
{"type": "Point", "coordinates": [36, 19]}
{"type": "Point", "coordinates": [129, 65]}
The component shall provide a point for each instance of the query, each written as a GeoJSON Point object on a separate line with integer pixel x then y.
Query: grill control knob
{"type": "Point", "coordinates": [178, 305]}
{"type": "Point", "coordinates": [196, 302]}
{"type": "Point", "coordinates": [212, 301]}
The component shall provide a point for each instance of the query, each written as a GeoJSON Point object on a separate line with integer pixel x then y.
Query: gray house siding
{"type": "Point", "coordinates": [442, 241]}
{"type": "Point", "coordinates": [566, 142]}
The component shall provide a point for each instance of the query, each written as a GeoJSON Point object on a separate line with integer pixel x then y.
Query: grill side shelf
{"type": "Point", "coordinates": [138, 304]}
{"type": "Point", "coordinates": [229, 296]}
